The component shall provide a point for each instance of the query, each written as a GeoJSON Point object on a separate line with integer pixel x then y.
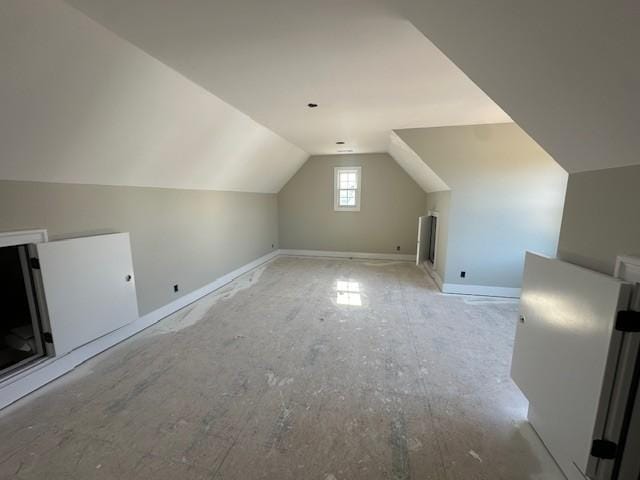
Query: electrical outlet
{"type": "Point", "coordinates": [398, 248]}
{"type": "Point", "coordinates": [463, 274]}
{"type": "Point", "coordinates": [176, 288]}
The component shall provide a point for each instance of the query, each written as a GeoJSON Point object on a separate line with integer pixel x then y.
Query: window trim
{"type": "Point", "coordinates": [336, 188]}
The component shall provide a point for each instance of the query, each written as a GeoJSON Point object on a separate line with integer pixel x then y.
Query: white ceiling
{"type": "Point", "coordinates": [567, 72]}
{"type": "Point", "coordinates": [82, 105]}
{"type": "Point", "coordinates": [369, 70]}
{"type": "Point", "coordinates": [417, 169]}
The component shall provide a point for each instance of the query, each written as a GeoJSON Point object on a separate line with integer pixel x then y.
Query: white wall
{"type": "Point", "coordinates": [600, 218]}
{"type": "Point", "coordinates": [411, 163]}
{"type": "Point", "coordinates": [507, 197]}
{"type": "Point", "coordinates": [80, 105]}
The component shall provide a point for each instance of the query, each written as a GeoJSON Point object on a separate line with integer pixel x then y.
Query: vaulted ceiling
{"type": "Point", "coordinates": [81, 105]}
{"type": "Point", "coordinates": [368, 69]}
{"type": "Point", "coordinates": [213, 94]}
{"type": "Point", "coordinates": [567, 72]}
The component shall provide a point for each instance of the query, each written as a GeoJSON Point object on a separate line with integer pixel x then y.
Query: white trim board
{"type": "Point", "coordinates": [433, 274]}
{"type": "Point", "coordinates": [31, 379]}
{"type": "Point", "coordinates": [362, 255]}
{"type": "Point", "coordinates": [23, 237]}
{"type": "Point", "coordinates": [483, 290]}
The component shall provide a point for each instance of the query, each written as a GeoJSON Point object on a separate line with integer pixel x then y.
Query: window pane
{"type": "Point", "coordinates": [347, 198]}
{"type": "Point", "coordinates": [348, 180]}
{"type": "Point", "coordinates": [351, 198]}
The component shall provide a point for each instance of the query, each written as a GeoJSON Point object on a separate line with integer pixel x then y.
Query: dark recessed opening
{"type": "Point", "coordinates": [339, 143]}
{"type": "Point", "coordinates": [312, 105]}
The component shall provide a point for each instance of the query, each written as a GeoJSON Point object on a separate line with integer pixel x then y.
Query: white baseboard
{"type": "Point", "coordinates": [433, 274]}
{"type": "Point", "coordinates": [483, 290]}
{"type": "Point", "coordinates": [191, 297]}
{"type": "Point", "coordinates": [370, 256]}
{"type": "Point", "coordinates": [27, 381]}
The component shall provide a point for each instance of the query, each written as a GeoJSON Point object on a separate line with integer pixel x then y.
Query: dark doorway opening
{"type": "Point", "coordinates": [433, 227]}
{"type": "Point", "coordinates": [20, 339]}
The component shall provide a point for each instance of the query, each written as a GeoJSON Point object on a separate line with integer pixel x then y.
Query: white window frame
{"type": "Point", "coordinates": [336, 188]}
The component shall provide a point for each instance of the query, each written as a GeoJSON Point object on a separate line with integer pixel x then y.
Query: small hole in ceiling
{"type": "Point", "coordinates": [339, 143]}
{"type": "Point", "coordinates": [312, 105]}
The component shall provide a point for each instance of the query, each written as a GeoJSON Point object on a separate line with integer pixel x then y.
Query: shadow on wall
{"type": "Point", "coordinates": [507, 197]}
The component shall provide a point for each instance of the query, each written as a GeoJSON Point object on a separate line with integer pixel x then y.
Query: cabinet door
{"type": "Point", "coordinates": [89, 288]}
{"type": "Point", "coordinates": [565, 354]}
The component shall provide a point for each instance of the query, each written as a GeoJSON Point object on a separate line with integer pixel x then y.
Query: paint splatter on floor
{"type": "Point", "coordinates": [475, 455]}
{"type": "Point", "coordinates": [248, 383]}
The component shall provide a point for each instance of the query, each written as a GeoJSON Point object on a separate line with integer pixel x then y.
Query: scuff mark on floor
{"type": "Point", "coordinates": [186, 318]}
{"type": "Point", "coordinates": [399, 448]}
{"type": "Point", "coordinates": [274, 381]}
{"type": "Point", "coordinates": [475, 455]}
{"type": "Point", "coordinates": [414, 444]}
{"type": "Point", "coordinates": [283, 425]}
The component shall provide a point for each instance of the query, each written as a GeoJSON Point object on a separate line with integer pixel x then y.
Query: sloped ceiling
{"type": "Point", "coordinates": [368, 69]}
{"type": "Point", "coordinates": [567, 72]}
{"type": "Point", "coordinates": [502, 155]}
{"type": "Point", "coordinates": [416, 168]}
{"type": "Point", "coordinates": [80, 105]}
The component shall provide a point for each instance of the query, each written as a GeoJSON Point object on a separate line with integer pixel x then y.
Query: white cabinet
{"type": "Point", "coordinates": [89, 288]}
{"type": "Point", "coordinates": [565, 355]}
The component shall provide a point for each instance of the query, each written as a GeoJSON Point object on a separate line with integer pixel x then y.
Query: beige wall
{"type": "Point", "coordinates": [440, 202]}
{"type": "Point", "coordinates": [601, 217]}
{"type": "Point", "coordinates": [507, 196]}
{"type": "Point", "coordinates": [188, 237]}
{"type": "Point", "coordinates": [391, 204]}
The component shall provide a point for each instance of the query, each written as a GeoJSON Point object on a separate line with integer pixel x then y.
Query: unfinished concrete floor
{"type": "Point", "coordinates": [303, 369]}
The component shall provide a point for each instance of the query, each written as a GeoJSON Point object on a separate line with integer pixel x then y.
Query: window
{"type": "Point", "coordinates": [346, 196]}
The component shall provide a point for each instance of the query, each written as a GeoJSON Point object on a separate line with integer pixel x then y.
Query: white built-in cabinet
{"type": "Point", "coordinates": [89, 288]}
{"type": "Point", "coordinates": [566, 360]}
